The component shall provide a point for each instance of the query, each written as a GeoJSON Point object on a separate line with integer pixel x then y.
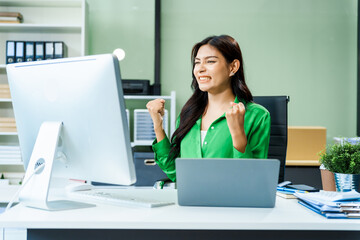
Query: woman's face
{"type": "Point", "coordinates": [211, 70]}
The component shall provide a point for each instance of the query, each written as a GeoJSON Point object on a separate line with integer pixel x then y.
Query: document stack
{"type": "Point", "coordinates": [332, 204]}
{"type": "Point", "coordinates": [286, 189]}
{"type": "Point", "coordinates": [10, 17]}
{"type": "Point", "coordinates": [285, 192]}
{"type": "Point", "coordinates": [7, 124]}
{"type": "Point", "coordinates": [10, 154]}
{"type": "Point", "coordinates": [4, 91]}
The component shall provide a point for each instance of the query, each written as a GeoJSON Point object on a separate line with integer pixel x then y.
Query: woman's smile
{"type": "Point", "coordinates": [204, 79]}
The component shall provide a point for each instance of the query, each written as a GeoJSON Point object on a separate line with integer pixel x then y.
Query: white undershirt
{"type": "Point", "coordinates": [202, 136]}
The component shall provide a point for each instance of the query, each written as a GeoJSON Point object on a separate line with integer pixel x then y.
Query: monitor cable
{"type": "Point", "coordinates": [36, 170]}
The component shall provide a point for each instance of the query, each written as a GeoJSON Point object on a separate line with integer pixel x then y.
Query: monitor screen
{"type": "Point", "coordinates": [86, 96]}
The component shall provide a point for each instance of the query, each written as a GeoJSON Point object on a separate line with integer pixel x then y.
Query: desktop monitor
{"type": "Point", "coordinates": [70, 115]}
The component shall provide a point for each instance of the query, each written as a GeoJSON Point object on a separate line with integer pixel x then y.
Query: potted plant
{"type": "Point", "coordinates": [343, 160]}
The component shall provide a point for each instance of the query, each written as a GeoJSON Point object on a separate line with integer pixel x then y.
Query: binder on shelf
{"type": "Point", "coordinates": [39, 51]}
{"type": "Point", "coordinates": [29, 51]}
{"type": "Point", "coordinates": [49, 50]}
{"type": "Point", "coordinates": [10, 52]}
{"type": "Point", "coordinates": [19, 51]}
{"type": "Point", "coordinates": [59, 49]}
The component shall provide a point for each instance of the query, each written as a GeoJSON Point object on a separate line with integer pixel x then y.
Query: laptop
{"type": "Point", "coordinates": [227, 182]}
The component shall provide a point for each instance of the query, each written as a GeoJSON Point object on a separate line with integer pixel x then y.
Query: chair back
{"type": "Point", "coordinates": [277, 106]}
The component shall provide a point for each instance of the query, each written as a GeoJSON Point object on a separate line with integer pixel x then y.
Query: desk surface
{"type": "Point", "coordinates": [287, 215]}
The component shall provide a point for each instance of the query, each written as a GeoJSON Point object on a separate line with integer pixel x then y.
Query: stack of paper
{"type": "Point", "coordinates": [332, 204]}
{"type": "Point", "coordinates": [4, 91]}
{"type": "Point", "coordinates": [285, 192]}
{"type": "Point", "coordinates": [7, 124]}
{"type": "Point", "coordinates": [11, 17]}
{"type": "Point", "coordinates": [10, 154]}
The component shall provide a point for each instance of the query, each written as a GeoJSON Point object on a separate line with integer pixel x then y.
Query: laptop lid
{"type": "Point", "coordinates": [227, 182]}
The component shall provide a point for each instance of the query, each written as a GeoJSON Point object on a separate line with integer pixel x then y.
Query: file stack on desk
{"type": "Point", "coordinates": [332, 204]}
{"type": "Point", "coordinates": [285, 192]}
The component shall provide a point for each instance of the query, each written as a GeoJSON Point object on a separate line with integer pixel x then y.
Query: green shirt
{"type": "Point", "coordinates": [218, 141]}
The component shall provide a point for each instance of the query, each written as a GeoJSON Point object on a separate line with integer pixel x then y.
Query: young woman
{"type": "Point", "coordinates": [219, 120]}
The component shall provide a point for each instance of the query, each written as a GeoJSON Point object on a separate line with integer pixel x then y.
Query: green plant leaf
{"type": "Point", "coordinates": [342, 158]}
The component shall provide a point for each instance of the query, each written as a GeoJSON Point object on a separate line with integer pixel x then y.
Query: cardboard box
{"type": "Point", "coordinates": [304, 145]}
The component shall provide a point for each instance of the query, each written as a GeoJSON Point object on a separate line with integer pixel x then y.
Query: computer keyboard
{"type": "Point", "coordinates": [117, 198]}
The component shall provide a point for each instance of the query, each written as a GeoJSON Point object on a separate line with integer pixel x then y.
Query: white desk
{"type": "Point", "coordinates": [174, 222]}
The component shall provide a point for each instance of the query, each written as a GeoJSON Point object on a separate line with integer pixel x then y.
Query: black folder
{"type": "Point", "coordinates": [10, 52]}
{"type": "Point", "coordinates": [19, 51]}
{"type": "Point", "coordinates": [29, 51]}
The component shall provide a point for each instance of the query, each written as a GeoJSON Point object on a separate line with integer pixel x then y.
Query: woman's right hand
{"type": "Point", "coordinates": [156, 109]}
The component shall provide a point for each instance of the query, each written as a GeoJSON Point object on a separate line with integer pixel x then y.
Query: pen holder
{"type": "Point", "coordinates": [347, 182]}
{"type": "Point", "coordinates": [328, 180]}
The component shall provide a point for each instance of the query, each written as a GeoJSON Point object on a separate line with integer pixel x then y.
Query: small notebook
{"type": "Point", "coordinates": [286, 195]}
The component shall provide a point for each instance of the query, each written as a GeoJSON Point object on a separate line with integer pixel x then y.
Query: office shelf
{"type": "Point", "coordinates": [14, 163]}
{"type": "Point", "coordinates": [36, 27]}
{"type": "Point", "coordinates": [8, 133]}
{"type": "Point", "coordinates": [50, 20]}
{"type": "Point", "coordinates": [172, 119]}
{"type": "Point", "coordinates": [7, 192]}
{"type": "Point", "coordinates": [39, 3]}
{"type": "Point", "coordinates": [147, 97]}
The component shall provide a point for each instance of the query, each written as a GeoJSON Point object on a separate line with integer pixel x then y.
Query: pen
{"type": "Point", "coordinates": [290, 190]}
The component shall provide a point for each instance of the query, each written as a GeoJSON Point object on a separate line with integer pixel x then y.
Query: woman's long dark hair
{"type": "Point", "coordinates": [197, 103]}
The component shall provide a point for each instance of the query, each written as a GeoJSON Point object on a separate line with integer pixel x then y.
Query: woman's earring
{"type": "Point", "coordinates": [232, 74]}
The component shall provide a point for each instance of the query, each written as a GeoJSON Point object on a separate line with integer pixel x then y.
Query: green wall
{"type": "Point", "coordinates": [305, 49]}
{"type": "Point", "coordinates": [126, 24]}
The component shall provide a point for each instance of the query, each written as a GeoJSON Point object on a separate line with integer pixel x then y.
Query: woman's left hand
{"type": "Point", "coordinates": [235, 120]}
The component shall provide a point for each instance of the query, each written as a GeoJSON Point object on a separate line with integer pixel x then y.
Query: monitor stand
{"type": "Point", "coordinates": [36, 186]}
